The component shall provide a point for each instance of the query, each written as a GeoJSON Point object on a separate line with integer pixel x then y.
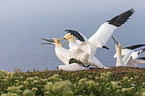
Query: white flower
{"type": "Point", "coordinates": [28, 92]}
{"type": "Point", "coordinates": [143, 94]}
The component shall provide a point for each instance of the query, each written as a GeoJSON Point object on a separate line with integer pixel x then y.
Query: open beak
{"type": "Point", "coordinates": [47, 43]}
{"type": "Point", "coordinates": [50, 41]}
{"type": "Point", "coordinates": [115, 42]}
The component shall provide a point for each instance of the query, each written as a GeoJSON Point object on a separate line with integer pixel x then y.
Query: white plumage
{"type": "Point", "coordinates": [85, 50]}
{"type": "Point", "coordinates": [72, 67]}
{"type": "Point", "coordinates": [129, 56]}
{"type": "Point", "coordinates": [65, 55]}
{"type": "Point", "coordinates": [82, 51]}
{"type": "Point", "coordinates": [101, 36]}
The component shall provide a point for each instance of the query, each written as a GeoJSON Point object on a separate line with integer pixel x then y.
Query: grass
{"type": "Point", "coordinates": [117, 81]}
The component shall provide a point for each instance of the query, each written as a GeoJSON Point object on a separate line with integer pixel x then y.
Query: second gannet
{"type": "Point", "coordinates": [65, 56]}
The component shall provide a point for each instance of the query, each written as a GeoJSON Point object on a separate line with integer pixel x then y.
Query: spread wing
{"type": "Point", "coordinates": [134, 46]}
{"type": "Point", "coordinates": [124, 52]}
{"type": "Point", "coordinates": [103, 34]}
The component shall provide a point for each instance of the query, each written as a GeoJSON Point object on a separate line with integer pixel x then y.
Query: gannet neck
{"type": "Point", "coordinates": [69, 37]}
{"type": "Point", "coordinates": [119, 52]}
{"type": "Point", "coordinates": [72, 39]}
{"type": "Point", "coordinates": [58, 44]}
{"type": "Point", "coordinates": [72, 43]}
{"type": "Point", "coordinates": [119, 58]}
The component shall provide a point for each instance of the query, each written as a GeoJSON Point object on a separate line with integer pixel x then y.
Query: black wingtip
{"type": "Point", "coordinates": [142, 50]}
{"type": "Point", "coordinates": [72, 60]}
{"type": "Point", "coordinates": [142, 58]}
{"type": "Point", "coordinates": [76, 34]}
{"type": "Point", "coordinates": [134, 46]}
{"type": "Point", "coordinates": [105, 47]}
{"type": "Point", "coordinates": [121, 18]}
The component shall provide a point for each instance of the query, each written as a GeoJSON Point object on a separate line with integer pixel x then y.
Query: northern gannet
{"type": "Point", "coordinates": [84, 51]}
{"type": "Point", "coordinates": [103, 34]}
{"type": "Point", "coordinates": [129, 54]}
{"type": "Point", "coordinates": [65, 56]}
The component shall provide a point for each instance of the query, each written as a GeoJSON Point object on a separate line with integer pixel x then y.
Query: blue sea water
{"type": "Point", "coordinates": [22, 27]}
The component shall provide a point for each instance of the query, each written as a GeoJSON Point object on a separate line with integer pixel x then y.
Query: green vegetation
{"type": "Point", "coordinates": [119, 81]}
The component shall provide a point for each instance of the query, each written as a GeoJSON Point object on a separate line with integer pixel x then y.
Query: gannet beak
{"type": "Point", "coordinates": [51, 41]}
{"type": "Point", "coordinates": [64, 43]}
{"type": "Point", "coordinates": [48, 43]}
{"type": "Point", "coordinates": [62, 38]}
{"type": "Point", "coordinates": [115, 42]}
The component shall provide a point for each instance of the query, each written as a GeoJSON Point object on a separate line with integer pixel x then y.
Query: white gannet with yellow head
{"type": "Point", "coordinates": [129, 55]}
{"type": "Point", "coordinates": [65, 56]}
{"type": "Point", "coordinates": [84, 49]}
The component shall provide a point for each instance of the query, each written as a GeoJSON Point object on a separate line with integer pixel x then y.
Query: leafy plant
{"type": "Point", "coordinates": [61, 83]}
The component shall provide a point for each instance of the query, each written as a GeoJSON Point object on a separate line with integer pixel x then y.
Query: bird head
{"type": "Point", "coordinates": [68, 36]}
{"type": "Point", "coordinates": [117, 44]}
